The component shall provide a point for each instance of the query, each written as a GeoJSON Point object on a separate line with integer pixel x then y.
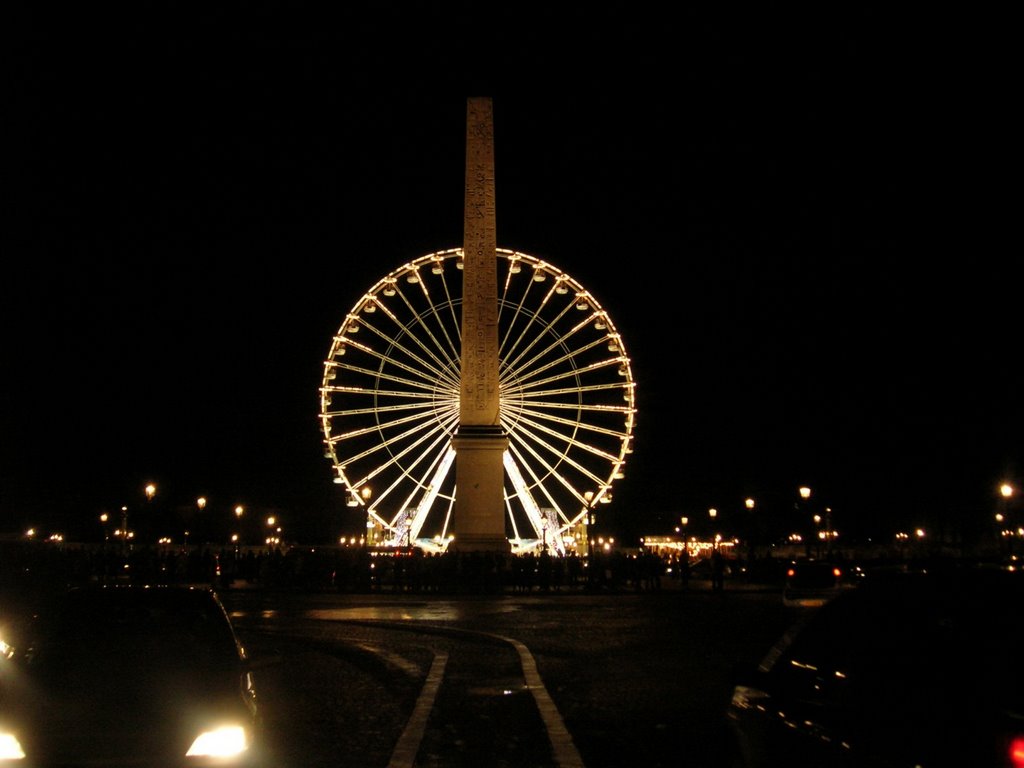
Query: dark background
{"type": "Point", "coordinates": [797, 222]}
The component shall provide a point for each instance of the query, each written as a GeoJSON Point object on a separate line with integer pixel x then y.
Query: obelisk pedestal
{"type": "Point", "coordinates": [478, 519]}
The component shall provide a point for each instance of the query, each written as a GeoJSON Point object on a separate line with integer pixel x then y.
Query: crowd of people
{"type": "Point", "coordinates": [346, 569]}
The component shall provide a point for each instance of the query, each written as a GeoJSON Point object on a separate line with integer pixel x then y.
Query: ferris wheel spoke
{"type": "Point", "coordinates": [427, 397]}
{"type": "Point", "coordinates": [387, 442]}
{"type": "Point", "coordinates": [528, 439]}
{"type": "Point", "coordinates": [570, 361]}
{"type": "Point", "coordinates": [565, 365]}
{"type": "Point", "coordinates": [515, 463]}
{"type": "Point", "coordinates": [542, 359]}
{"type": "Point", "coordinates": [453, 321]}
{"type": "Point", "coordinates": [520, 308]}
{"type": "Point", "coordinates": [431, 368]}
{"type": "Point", "coordinates": [568, 439]}
{"type": "Point", "coordinates": [429, 490]}
{"type": "Point", "coordinates": [570, 449]}
{"type": "Point", "coordinates": [376, 410]}
{"type": "Point", "coordinates": [521, 450]}
{"type": "Point", "coordinates": [448, 352]}
{"type": "Point", "coordinates": [533, 413]}
{"type": "Point", "coordinates": [535, 516]}
{"type": "Point", "coordinates": [541, 396]}
{"type": "Point", "coordinates": [513, 334]}
{"type": "Point", "coordinates": [429, 458]}
{"type": "Point", "coordinates": [420, 417]}
{"type": "Point", "coordinates": [442, 355]}
{"type": "Point", "coordinates": [532, 335]}
{"type": "Point", "coordinates": [404, 473]}
{"type": "Point", "coordinates": [427, 381]}
{"type": "Point", "coordinates": [525, 383]}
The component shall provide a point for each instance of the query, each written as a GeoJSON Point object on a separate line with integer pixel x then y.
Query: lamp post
{"type": "Point", "coordinates": [146, 526]}
{"type": "Point", "coordinates": [591, 518]}
{"type": "Point", "coordinates": [829, 533]}
{"type": "Point", "coordinates": [1005, 531]}
{"type": "Point", "coordinates": [749, 505]}
{"type": "Point", "coordinates": [273, 532]}
{"type": "Point", "coordinates": [200, 522]}
{"type": "Point", "coordinates": [124, 528]}
{"type": "Point", "coordinates": [801, 505]}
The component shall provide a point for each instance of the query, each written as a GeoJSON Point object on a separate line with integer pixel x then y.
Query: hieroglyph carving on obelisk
{"type": "Point", "coordinates": [478, 520]}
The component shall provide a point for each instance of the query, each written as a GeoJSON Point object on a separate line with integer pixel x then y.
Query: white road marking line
{"type": "Point", "coordinates": [404, 754]}
{"type": "Point", "coordinates": [564, 749]}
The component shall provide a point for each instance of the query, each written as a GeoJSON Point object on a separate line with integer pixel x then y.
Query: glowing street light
{"type": "Point", "coordinates": [1006, 492]}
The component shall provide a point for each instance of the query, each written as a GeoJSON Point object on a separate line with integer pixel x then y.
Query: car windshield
{"type": "Point", "coordinates": [136, 633]}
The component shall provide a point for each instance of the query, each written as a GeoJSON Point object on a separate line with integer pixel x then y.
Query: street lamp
{"type": "Point", "coordinates": [752, 532]}
{"type": "Point", "coordinates": [1005, 492]}
{"type": "Point", "coordinates": [201, 505]}
{"type": "Point", "coordinates": [273, 532]}
{"type": "Point", "coordinates": [146, 521]}
{"type": "Point", "coordinates": [124, 527]}
{"type": "Point", "coordinates": [801, 508]}
{"type": "Point", "coordinates": [829, 533]}
{"type": "Point", "coordinates": [239, 511]}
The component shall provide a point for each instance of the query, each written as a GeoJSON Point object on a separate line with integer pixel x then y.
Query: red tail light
{"type": "Point", "coordinates": [1017, 752]}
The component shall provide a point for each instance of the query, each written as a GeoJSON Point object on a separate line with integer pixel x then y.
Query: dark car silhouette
{"type": "Point", "coordinates": [128, 675]}
{"type": "Point", "coordinates": [913, 669]}
{"type": "Point", "coordinates": [810, 583]}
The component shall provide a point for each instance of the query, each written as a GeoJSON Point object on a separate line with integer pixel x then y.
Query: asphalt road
{"type": "Point", "coordinates": [405, 680]}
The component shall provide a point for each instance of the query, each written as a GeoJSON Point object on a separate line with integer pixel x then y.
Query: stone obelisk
{"type": "Point", "coordinates": [478, 520]}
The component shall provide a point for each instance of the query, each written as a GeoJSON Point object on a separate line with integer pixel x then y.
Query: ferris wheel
{"type": "Point", "coordinates": [389, 403]}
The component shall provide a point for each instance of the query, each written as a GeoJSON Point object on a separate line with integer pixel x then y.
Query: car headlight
{"type": "Point", "coordinates": [10, 747]}
{"type": "Point", "coordinates": [223, 741]}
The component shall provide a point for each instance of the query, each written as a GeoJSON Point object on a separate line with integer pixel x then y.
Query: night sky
{"type": "Point", "coordinates": [790, 218]}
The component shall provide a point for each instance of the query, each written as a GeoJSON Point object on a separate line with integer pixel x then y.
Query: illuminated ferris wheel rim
{"type": "Point", "coordinates": [539, 395]}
